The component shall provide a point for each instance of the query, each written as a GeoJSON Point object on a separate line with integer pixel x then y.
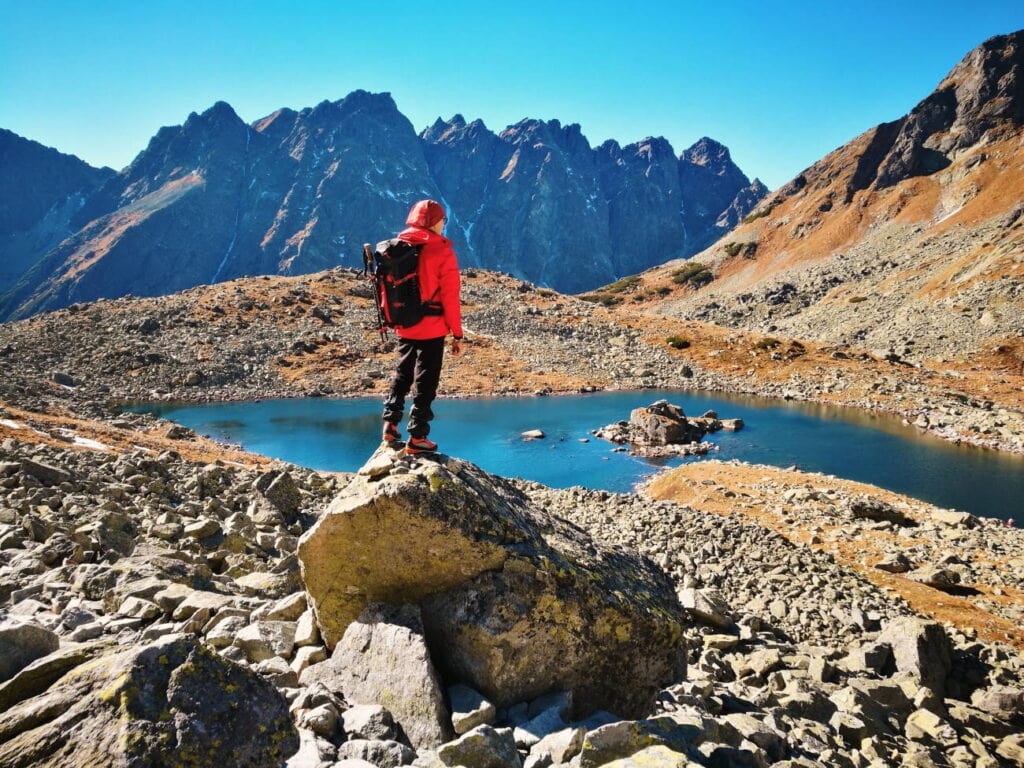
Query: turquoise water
{"type": "Point", "coordinates": [339, 435]}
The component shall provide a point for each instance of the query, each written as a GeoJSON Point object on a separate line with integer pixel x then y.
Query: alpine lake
{"type": "Point", "coordinates": [340, 434]}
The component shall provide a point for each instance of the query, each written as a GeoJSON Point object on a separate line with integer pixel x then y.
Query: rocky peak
{"type": "Point", "coordinates": [989, 82]}
{"type": "Point", "coordinates": [375, 104]}
{"type": "Point", "coordinates": [654, 149]}
{"type": "Point", "coordinates": [708, 153]}
{"type": "Point", "coordinates": [451, 130]}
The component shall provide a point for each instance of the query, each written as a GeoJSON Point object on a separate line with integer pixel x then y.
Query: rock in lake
{"type": "Point", "coordinates": [515, 602]}
{"type": "Point", "coordinates": [173, 702]}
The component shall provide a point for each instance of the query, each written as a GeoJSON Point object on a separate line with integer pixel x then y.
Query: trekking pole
{"type": "Point", "coordinates": [368, 270]}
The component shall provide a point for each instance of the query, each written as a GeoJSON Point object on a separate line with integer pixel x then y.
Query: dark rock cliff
{"type": "Point", "coordinates": [41, 191]}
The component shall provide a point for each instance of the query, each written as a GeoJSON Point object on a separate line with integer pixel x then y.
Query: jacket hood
{"type": "Point", "coordinates": [419, 236]}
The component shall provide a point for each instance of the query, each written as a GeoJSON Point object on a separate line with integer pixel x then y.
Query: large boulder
{"type": "Point", "coordinates": [174, 702]}
{"type": "Point", "coordinates": [516, 602]}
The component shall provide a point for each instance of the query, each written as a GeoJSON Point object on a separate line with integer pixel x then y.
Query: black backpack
{"type": "Point", "coordinates": [397, 286]}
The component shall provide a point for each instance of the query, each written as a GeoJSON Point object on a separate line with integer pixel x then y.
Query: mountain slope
{"type": "Point", "coordinates": [41, 190]}
{"type": "Point", "coordinates": [909, 238]}
{"type": "Point", "coordinates": [296, 192]}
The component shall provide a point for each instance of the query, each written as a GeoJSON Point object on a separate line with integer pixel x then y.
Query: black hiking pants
{"type": "Point", "coordinates": [419, 367]}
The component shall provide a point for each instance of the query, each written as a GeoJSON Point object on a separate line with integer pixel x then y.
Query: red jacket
{"type": "Point", "coordinates": [439, 281]}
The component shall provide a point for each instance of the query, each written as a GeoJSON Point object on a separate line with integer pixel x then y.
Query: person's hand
{"type": "Point", "coordinates": [456, 347]}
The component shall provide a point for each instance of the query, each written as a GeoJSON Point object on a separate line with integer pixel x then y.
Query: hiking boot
{"type": "Point", "coordinates": [420, 445]}
{"type": "Point", "coordinates": [391, 433]}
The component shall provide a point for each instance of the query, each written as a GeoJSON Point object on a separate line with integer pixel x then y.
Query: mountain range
{"type": "Point", "coordinates": [298, 192]}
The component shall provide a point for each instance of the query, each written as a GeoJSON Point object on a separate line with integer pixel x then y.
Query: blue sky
{"type": "Point", "coordinates": [780, 83]}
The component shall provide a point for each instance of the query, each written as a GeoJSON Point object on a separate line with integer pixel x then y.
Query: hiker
{"type": "Point", "coordinates": [421, 346]}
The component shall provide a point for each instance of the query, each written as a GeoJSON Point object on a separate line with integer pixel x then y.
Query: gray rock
{"type": "Point", "coordinates": [383, 659]}
{"type": "Point", "coordinates": [559, 747]}
{"type": "Point", "coordinates": [483, 747]}
{"type": "Point", "coordinates": [45, 473]}
{"type": "Point", "coordinates": [369, 721]}
{"type": "Point", "coordinates": [21, 644]}
{"type": "Point", "coordinates": [707, 606]}
{"type": "Point", "coordinates": [266, 639]}
{"type": "Point", "coordinates": [921, 648]}
{"type": "Point", "coordinates": [127, 704]}
{"type": "Point", "coordinates": [625, 738]}
{"type": "Point", "coordinates": [383, 754]}
{"type": "Point", "coordinates": [469, 709]}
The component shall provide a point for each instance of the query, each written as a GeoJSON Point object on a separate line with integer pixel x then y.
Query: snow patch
{"type": "Point", "coordinates": [87, 442]}
{"type": "Point", "coordinates": [11, 424]}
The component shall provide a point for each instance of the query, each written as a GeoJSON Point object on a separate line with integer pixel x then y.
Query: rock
{"type": "Point", "coordinates": [64, 379]}
{"type": "Point", "coordinates": [662, 423]}
{"type": "Point", "coordinates": [266, 639]}
{"type": "Point", "coordinates": [953, 518]}
{"type": "Point", "coordinates": [921, 648]}
{"type": "Point", "coordinates": [306, 630]}
{"type": "Point", "coordinates": [459, 542]}
{"type": "Point", "coordinates": [559, 747]}
{"type": "Point", "coordinates": [321, 720]}
{"type": "Point", "coordinates": [383, 754]}
{"type": "Point", "coordinates": [533, 434]}
{"type": "Point", "coordinates": [178, 432]}
{"type": "Point", "coordinates": [45, 473]}
{"type": "Point", "coordinates": [287, 608]}
{"type": "Point", "coordinates": [202, 529]}
{"type": "Point", "coordinates": [1000, 700]}
{"type": "Point", "coordinates": [706, 606]}
{"type": "Point", "coordinates": [379, 464]}
{"type": "Point", "coordinates": [307, 655]}
{"type": "Point", "coordinates": [869, 508]}
{"type": "Point", "coordinates": [935, 576]}
{"type": "Point", "coordinates": [1012, 748]}
{"type": "Point", "coordinates": [469, 709]}
{"type": "Point", "coordinates": [659, 756]}
{"type": "Point", "coordinates": [895, 563]}
{"type": "Point", "coordinates": [542, 724]}
{"type": "Point", "coordinates": [625, 738]}
{"type": "Point", "coordinates": [279, 488]}
{"type": "Point", "coordinates": [134, 706]}
{"type": "Point", "coordinates": [482, 747]}
{"type": "Point", "coordinates": [369, 721]}
{"type": "Point", "coordinates": [923, 724]}
{"type": "Point", "coordinates": [383, 659]}
{"type": "Point", "coordinates": [21, 644]}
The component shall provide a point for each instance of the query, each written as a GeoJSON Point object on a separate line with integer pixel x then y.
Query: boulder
{"type": "Point", "coordinates": [21, 644]}
{"type": "Point", "coordinates": [382, 754]}
{"type": "Point", "coordinates": [383, 659]}
{"type": "Point", "coordinates": [141, 705]}
{"type": "Point", "coordinates": [921, 648]}
{"type": "Point", "coordinates": [369, 721]}
{"type": "Point", "coordinates": [482, 747]}
{"type": "Point", "coordinates": [516, 602]}
{"type": "Point", "coordinates": [662, 423]}
{"type": "Point", "coordinates": [45, 473]}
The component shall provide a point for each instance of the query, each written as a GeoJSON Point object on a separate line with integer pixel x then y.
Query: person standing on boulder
{"type": "Point", "coordinates": [421, 346]}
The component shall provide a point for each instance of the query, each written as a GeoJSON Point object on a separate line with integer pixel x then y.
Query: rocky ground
{"type": "Point", "coordinates": [130, 550]}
